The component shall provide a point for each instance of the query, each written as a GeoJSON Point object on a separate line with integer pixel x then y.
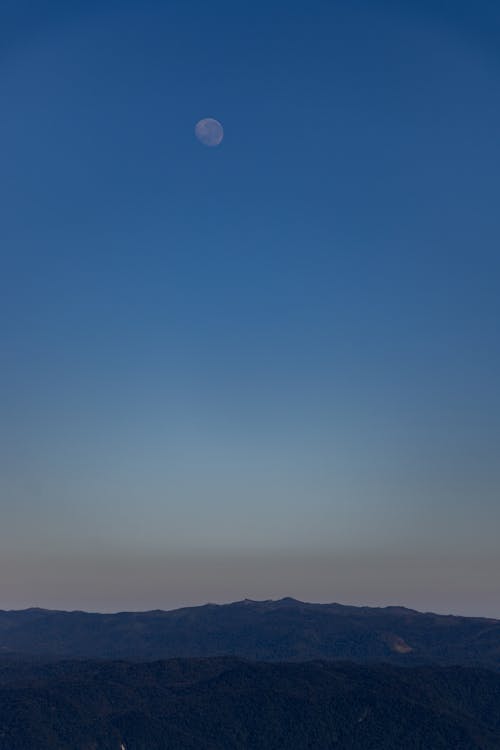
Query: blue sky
{"type": "Point", "coordinates": [256, 365]}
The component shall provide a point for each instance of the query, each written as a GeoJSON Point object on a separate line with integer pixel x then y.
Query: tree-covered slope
{"type": "Point", "coordinates": [226, 704]}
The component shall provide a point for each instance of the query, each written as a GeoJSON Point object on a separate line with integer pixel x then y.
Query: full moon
{"type": "Point", "coordinates": [209, 131]}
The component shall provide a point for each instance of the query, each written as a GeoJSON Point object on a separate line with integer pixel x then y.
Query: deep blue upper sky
{"type": "Point", "coordinates": [284, 346]}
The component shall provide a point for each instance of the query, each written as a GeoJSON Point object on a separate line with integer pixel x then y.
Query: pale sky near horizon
{"type": "Point", "coordinates": [261, 369]}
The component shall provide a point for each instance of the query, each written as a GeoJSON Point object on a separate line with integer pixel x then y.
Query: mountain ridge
{"type": "Point", "coordinates": [286, 600]}
{"type": "Point", "coordinates": [273, 630]}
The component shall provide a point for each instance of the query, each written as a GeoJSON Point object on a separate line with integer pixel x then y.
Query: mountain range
{"type": "Point", "coordinates": [283, 630]}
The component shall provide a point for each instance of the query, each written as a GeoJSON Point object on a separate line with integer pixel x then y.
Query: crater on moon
{"type": "Point", "coordinates": [209, 131]}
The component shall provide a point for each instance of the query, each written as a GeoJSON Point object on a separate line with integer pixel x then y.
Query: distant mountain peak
{"type": "Point", "coordinates": [286, 600]}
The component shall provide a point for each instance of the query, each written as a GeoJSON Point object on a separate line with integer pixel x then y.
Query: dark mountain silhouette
{"type": "Point", "coordinates": [284, 630]}
{"type": "Point", "coordinates": [227, 704]}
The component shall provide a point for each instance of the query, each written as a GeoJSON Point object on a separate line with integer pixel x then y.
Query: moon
{"type": "Point", "coordinates": [209, 131]}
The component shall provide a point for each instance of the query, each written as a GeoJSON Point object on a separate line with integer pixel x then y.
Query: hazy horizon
{"type": "Point", "coordinates": [123, 585]}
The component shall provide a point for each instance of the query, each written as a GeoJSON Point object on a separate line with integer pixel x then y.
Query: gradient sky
{"type": "Point", "coordinates": [269, 368]}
